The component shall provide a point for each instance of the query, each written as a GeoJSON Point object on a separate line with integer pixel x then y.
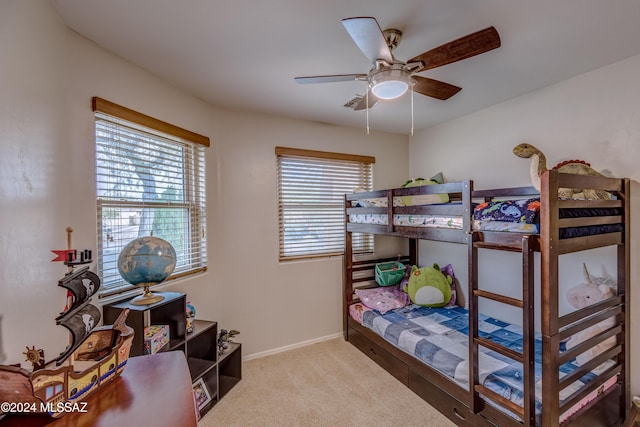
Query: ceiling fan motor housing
{"type": "Point", "coordinates": [392, 37]}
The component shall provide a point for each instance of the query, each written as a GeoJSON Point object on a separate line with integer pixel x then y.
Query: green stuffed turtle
{"type": "Point", "coordinates": [428, 286]}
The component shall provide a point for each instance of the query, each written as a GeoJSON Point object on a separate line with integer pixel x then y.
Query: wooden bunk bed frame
{"type": "Point", "coordinates": [478, 406]}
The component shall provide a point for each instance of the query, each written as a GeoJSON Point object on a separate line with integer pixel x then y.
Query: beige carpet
{"type": "Point", "coordinates": [326, 384]}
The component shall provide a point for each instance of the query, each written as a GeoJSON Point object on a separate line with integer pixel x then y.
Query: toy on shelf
{"type": "Point", "coordinates": [93, 357]}
{"type": "Point", "coordinates": [191, 315]}
{"type": "Point", "coordinates": [156, 338]}
{"type": "Point", "coordinates": [70, 258]}
{"type": "Point", "coordinates": [35, 357]}
{"type": "Point", "coordinates": [144, 262]}
{"type": "Point", "coordinates": [224, 337]}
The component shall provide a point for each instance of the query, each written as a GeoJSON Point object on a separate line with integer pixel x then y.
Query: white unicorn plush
{"type": "Point", "coordinates": [595, 289]}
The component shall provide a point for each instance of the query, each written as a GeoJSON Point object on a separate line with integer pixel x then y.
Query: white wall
{"type": "Point", "coordinates": [277, 304]}
{"type": "Point", "coordinates": [47, 167]}
{"type": "Point", "coordinates": [595, 117]}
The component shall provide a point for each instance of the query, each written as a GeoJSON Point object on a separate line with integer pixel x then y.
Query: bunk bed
{"type": "Point", "coordinates": [468, 393]}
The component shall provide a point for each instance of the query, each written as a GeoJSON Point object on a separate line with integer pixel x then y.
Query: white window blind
{"type": "Point", "coordinates": [148, 183]}
{"type": "Point", "coordinates": [311, 189]}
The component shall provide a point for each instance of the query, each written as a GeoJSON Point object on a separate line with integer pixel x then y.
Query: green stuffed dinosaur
{"type": "Point", "coordinates": [425, 199]}
{"type": "Point", "coordinates": [428, 286]}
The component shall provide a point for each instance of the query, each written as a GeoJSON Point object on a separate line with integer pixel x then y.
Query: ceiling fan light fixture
{"type": "Point", "coordinates": [390, 83]}
{"type": "Point", "coordinates": [390, 89]}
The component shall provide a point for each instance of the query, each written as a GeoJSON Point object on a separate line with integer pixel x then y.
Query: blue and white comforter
{"type": "Point", "coordinates": [438, 337]}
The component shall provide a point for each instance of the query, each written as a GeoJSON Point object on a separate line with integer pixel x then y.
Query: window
{"type": "Point", "coordinates": [150, 180]}
{"type": "Point", "coordinates": [311, 189]}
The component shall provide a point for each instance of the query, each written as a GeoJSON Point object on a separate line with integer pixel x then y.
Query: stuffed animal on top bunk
{"type": "Point", "coordinates": [595, 290]}
{"type": "Point", "coordinates": [424, 199]}
{"type": "Point", "coordinates": [416, 182]}
{"type": "Point", "coordinates": [429, 287]}
{"type": "Point", "coordinates": [539, 164]}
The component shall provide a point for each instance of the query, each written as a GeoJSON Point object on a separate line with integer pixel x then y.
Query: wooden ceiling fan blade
{"type": "Point", "coordinates": [363, 104]}
{"type": "Point", "coordinates": [434, 88]}
{"type": "Point", "coordinates": [465, 47]}
{"type": "Point", "coordinates": [330, 78]}
{"type": "Point", "coordinates": [366, 33]}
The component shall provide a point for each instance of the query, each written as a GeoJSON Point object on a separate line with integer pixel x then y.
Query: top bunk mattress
{"type": "Point", "coordinates": [421, 206]}
{"type": "Point", "coordinates": [523, 215]}
{"type": "Point", "coordinates": [409, 220]}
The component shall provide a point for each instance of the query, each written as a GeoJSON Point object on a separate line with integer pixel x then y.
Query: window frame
{"type": "Point", "coordinates": [195, 201]}
{"type": "Point", "coordinates": [286, 189]}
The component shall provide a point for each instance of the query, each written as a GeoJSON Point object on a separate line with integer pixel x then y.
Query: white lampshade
{"type": "Point", "coordinates": [390, 83]}
{"type": "Point", "coordinates": [390, 89]}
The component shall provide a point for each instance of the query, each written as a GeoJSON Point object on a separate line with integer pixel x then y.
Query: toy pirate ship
{"type": "Point", "coordinates": [94, 357]}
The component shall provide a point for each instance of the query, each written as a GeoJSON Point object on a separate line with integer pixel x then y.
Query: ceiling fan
{"type": "Point", "coordinates": [390, 78]}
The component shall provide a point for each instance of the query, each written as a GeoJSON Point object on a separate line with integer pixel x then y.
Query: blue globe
{"type": "Point", "coordinates": [147, 261]}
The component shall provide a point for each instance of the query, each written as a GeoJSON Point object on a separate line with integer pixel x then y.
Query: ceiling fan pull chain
{"type": "Point", "coordinates": [412, 110]}
{"type": "Point", "coordinates": [367, 101]}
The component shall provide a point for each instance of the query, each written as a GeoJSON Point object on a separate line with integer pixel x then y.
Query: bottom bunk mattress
{"type": "Point", "coordinates": [439, 338]}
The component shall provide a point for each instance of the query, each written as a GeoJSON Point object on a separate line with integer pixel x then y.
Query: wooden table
{"type": "Point", "coordinates": [152, 390]}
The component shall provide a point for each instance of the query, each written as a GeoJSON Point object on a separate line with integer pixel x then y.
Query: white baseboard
{"type": "Point", "coordinates": [291, 347]}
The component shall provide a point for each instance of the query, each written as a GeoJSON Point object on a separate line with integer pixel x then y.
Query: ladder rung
{"type": "Point", "coordinates": [500, 298]}
{"type": "Point", "coordinates": [518, 357]}
{"type": "Point", "coordinates": [511, 247]}
{"type": "Point", "coordinates": [495, 397]}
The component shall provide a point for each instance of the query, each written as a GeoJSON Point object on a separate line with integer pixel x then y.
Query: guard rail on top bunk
{"type": "Point", "coordinates": [459, 206]}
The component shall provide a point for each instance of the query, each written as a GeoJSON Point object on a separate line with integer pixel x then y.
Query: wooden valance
{"type": "Point", "coordinates": [115, 110]}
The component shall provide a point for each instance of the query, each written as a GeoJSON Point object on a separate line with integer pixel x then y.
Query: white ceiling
{"type": "Point", "coordinates": [244, 54]}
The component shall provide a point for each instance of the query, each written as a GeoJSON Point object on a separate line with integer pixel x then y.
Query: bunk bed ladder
{"type": "Point", "coordinates": [529, 244]}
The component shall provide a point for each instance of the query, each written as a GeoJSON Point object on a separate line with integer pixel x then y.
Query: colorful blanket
{"type": "Point", "coordinates": [525, 211]}
{"type": "Point", "coordinates": [522, 216]}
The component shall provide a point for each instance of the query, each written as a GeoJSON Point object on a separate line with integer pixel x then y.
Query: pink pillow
{"type": "Point", "coordinates": [357, 311]}
{"type": "Point", "coordinates": [384, 298]}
